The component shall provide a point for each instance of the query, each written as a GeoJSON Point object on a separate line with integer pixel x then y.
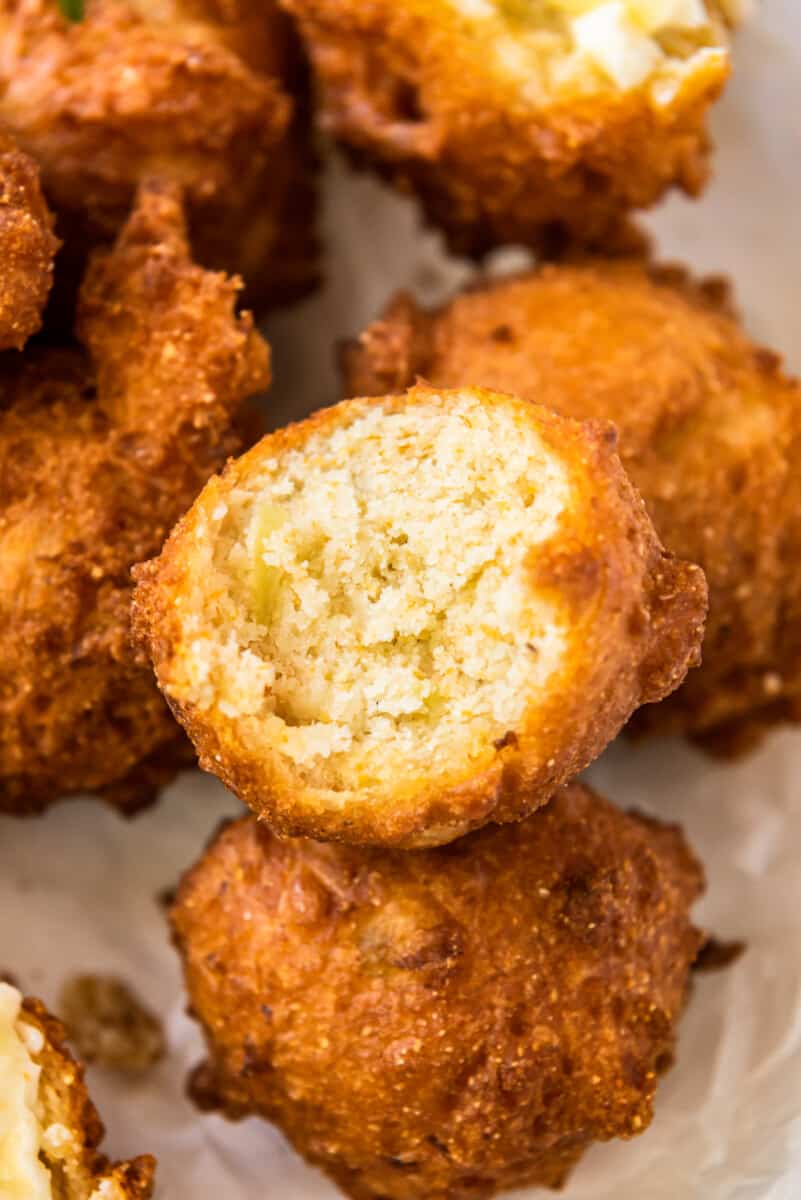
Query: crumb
{"type": "Point", "coordinates": [110, 1025]}
{"type": "Point", "coordinates": [165, 897]}
{"type": "Point", "coordinates": [716, 954]}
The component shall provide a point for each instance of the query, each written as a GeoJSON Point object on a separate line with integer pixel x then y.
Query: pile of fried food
{"type": "Point", "coordinates": [559, 505]}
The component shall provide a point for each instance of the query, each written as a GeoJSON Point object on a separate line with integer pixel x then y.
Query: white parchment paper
{"type": "Point", "coordinates": [78, 889]}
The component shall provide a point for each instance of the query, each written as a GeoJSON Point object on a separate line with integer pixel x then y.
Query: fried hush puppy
{"type": "Point", "coordinates": [102, 446]}
{"type": "Point", "coordinates": [49, 1128]}
{"type": "Point", "coordinates": [709, 429]}
{"type": "Point", "coordinates": [27, 246]}
{"type": "Point", "coordinates": [407, 616]}
{"type": "Point", "coordinates": [207, 94]}
{"type": "Point", "coordinates": [443, 1024]}
{"type": "Point", "coordinates": [523, 120]}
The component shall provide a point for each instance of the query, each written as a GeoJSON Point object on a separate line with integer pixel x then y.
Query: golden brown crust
{"type": "Point", "coordinates": [442, 1024]}
{"type": "Point", "coordinates": [27, 246]}
{"type": "Point", "coordinates": [195, 89]}
{"type": "Point", "coordinates": [634, 616]}
{"type": "Point", "coordinates": [79, 1168]}
{"type": "Point", "coordinates": [709, 429]}
{"type": "Point", "coordinates": [100, 451]}
{"type": "Point", "coordinates": [411, 91]}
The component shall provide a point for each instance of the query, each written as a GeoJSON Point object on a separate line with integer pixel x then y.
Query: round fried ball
{"type": "Point", "coordinates": [709, 430]}
{"type": "Point", "coordinates": [407, 616]}
{"type": "Point", "coordinates": [442, 1024]}
{"type": "Point", "coordinates": [522, 120]}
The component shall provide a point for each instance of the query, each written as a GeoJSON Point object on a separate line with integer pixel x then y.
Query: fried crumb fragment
{"type": "Point", "coordinates": [110, 1025]}
{"type": "Point", "coordinates": [716, 954]}
{"type": "Point", "coordinates": [28, 246]}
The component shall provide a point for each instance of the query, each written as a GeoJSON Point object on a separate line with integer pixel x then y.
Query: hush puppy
{"type": "Point", "coordinates": [27, 246]}
{"type": "Point", "coordinates": [443, 1024]}
{"type": "Point", "coordinates": [523, 120]}
{"type": "Point", "coordinates": [209, 95]}
{"type": "Point", "coordinates": [407, 616]}
{"type": "Point", "coordinates": [710, 433]}
{"type": "Point", "coordinates": [103, 445]}
{"type": "Point", "coordinates": [49, 1128]}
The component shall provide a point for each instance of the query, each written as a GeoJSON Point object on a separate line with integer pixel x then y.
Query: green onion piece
{"type": "Point", "coordinates": [73, 10]}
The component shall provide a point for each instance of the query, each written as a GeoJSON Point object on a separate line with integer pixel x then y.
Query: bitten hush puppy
{"type": "Point", "coordinates": [407, 616]}
{"type": "Point", "coordinates": [515, 120]}
{"type": "Point", "coordinates": [709, 429]}
{"type": "Point", "coordinates": [208, 95]}
{"type": "Point", "coordinates": [103, 444]}
{"type": "Point", "coordinates": [49, 1128]}
{"type": "Point", "coordinates": [443, 1024]}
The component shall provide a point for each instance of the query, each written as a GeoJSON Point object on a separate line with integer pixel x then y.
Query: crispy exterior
{"type": "Point", "coordinates": [195, 90]}
{"type": "Point", "coordinates": [101, 449]}
{"type": "Point", "coordinates": [709, 429]}
{"type": "Point", "coordinates": [27, 246]}
{"type": "Point", "coordinates": [65, 1101]}
{"type": "Point", "coordinates": [633, 613]}
{"type": "Point", "coordinates": [438, 1025]}
{"type": "Point", "coordinates": [408, 88]}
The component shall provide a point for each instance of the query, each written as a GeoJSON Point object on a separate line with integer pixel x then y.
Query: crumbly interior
{"type": "Point", "coordinates": [368, 590]}
{"type": "Point", "coordinates": [23, 1176]}
{"type": "Point", "coordinates": [581, 46]}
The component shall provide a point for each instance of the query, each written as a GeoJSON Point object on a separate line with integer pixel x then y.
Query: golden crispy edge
{"type": "Point", "coordinates": [397, 347]}
{"type": "Point", "coordinates": [27, 247]}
